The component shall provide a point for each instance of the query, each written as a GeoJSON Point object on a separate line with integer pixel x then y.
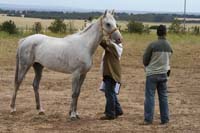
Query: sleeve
{"type": "Point", "coordinates": [147, 55]}
{"type": "Point", "coordinates": [171, 50]}
{"type": "Point", "coordinates": [105, 45]}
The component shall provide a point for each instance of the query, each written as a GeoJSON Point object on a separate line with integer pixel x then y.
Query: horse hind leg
{"type": "Point", "coordinates": [21, 71]}
{"type": "Point", "coordinates": [38, 74]}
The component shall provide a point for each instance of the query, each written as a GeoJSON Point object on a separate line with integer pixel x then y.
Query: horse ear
{"type": "Point", "coordinates": [113, 12]}
{"type": "Point", "coordinates": [105, 13]}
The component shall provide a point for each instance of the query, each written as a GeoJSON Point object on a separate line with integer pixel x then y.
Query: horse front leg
{"type": "Point", "coordinates": [77, 82]}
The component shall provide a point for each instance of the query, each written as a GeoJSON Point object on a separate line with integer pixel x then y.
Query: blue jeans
{"type": "Point", "coordinates": [160, 82]}
{"type": "Point", "coordinates": [113, 107]}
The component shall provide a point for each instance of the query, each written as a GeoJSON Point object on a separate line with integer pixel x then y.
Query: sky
{"type": "Point", "coordinates": [133, 5]}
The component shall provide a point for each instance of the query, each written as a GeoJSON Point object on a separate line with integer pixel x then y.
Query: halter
{"type": "Point", "coordinates": [104, 30]}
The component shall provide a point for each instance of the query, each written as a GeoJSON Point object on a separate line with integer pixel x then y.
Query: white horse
{"type": "Point", "coordinates": [72, 54]}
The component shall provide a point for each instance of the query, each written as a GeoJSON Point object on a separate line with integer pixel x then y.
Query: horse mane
{"type": "Point", "coordinates": [86, 29]}
{"type": "Point", "coordinates": [83, 31]}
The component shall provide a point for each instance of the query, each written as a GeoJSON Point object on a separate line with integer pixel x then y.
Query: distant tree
{"type": "Point", "coordinates": [196, 30]}
{"type": "Point", "coordinates": [119, 27]}
{"type": "Point", "coordinates": [37, 27]}
{"type": "Point", "coordinates": [90, 18]}
{"type": "Point", "coordinates": [153, 27]}
{"type": "Point", "coordinates": [58, 26]}
{"type": "Point", "coordinates": [176, 27]}
{"type": "Point", "coordinates": [70, 27]}
{"type": "Point", "coordinates": [146, 29]}
{"type": "Point", "coordinates": [135, 27]}
{"type": "Point", "coordinates": [9, 26]}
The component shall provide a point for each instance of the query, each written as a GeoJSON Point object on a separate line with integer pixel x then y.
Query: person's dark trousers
{"type": "Point", "coordinates": [160, 82]}
{"type": "Point", "coordinates": [113, 107]}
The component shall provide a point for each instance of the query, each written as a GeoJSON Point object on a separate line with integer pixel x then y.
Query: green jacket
{"type": "Point", "coordinates": [111, 62]}
{"type": "Point", "coordinates": [156, 58]}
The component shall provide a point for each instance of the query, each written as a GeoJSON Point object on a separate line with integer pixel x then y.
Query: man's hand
{"type": "Point", "coordinates": [168, 73]}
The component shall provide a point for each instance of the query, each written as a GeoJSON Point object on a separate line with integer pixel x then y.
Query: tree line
{"type": "Point", "coordinates": [147, 17]}
{"type": "Point", "coordinates": [59, 26]}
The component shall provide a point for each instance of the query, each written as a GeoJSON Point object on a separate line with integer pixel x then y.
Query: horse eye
{"type": "Point", "coordinates": [108, 24]}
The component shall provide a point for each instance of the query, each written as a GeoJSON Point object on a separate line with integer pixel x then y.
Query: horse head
{"type": "Point", "coordinates": [109, 27]}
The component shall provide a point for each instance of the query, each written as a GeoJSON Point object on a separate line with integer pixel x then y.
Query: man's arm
{"type": "Point", "coordinates": [147, 55]}
{"type": "Point", "coordinates": [104, 45]}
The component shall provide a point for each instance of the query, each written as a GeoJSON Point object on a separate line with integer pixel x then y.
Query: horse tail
{"type": "Point", "coordinates": [17, 68]}
{"type": "Point", "coordinates": [17, 62]}
{"type": "Point", "coordinates": [21, 40]}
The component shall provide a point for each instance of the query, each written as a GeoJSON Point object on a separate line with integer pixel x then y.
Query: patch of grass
{"type": "Point", "coordinates": [185, 46]}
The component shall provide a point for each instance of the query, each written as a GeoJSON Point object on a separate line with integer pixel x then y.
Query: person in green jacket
{"type": "Point", "coordinates": [111, 76]}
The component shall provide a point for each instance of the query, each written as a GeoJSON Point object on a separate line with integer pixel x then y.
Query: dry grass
{"type": "Point", "coordinates": [28, 22]}
{"type": "Point", "coordinates": [55, 90]}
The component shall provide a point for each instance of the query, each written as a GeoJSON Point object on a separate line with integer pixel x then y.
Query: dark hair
{"type": "Point", "coordinates": [161, 30]}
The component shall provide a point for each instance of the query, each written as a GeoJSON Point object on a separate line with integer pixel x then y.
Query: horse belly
{"type": "Point", "coordinates": [63, 59]}
{"type": "Point", "coordinates": [54, 65]}
{"type": "Point", "coordinates": [53, 62]}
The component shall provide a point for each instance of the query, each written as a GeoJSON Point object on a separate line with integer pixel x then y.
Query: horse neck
{"type": "Point", "coordinates": [94, 37]}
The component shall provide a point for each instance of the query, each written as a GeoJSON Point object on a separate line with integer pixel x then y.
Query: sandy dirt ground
{"type": "Point", "coordinates": [55, 92]}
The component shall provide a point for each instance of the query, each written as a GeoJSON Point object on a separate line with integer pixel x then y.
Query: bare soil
{"type": "Point", "coordinates": [55, 92]}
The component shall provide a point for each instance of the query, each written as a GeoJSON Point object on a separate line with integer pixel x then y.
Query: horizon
{"type": "Point", "coordinates": [120, 5]}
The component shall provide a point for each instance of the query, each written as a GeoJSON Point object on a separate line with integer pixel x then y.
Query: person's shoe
{"type": "Point", "coordinates": [146, 123]}
{"type": "Point", "coordinates": [164, 123]}
{"type": "Point", "coordinates": [107, 118]}
{"type": "Point", "coordinates": [119, 114]}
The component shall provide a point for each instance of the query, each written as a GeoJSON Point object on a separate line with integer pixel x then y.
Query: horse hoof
{"type": "Point", "coordinates": [77, 117]}
{"type": "Point", "coordinates": [41, 113]}
{"type": "Point", "coordinates": [13, 111]}
{"type": "Point", "coordinates": [73, 118]}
